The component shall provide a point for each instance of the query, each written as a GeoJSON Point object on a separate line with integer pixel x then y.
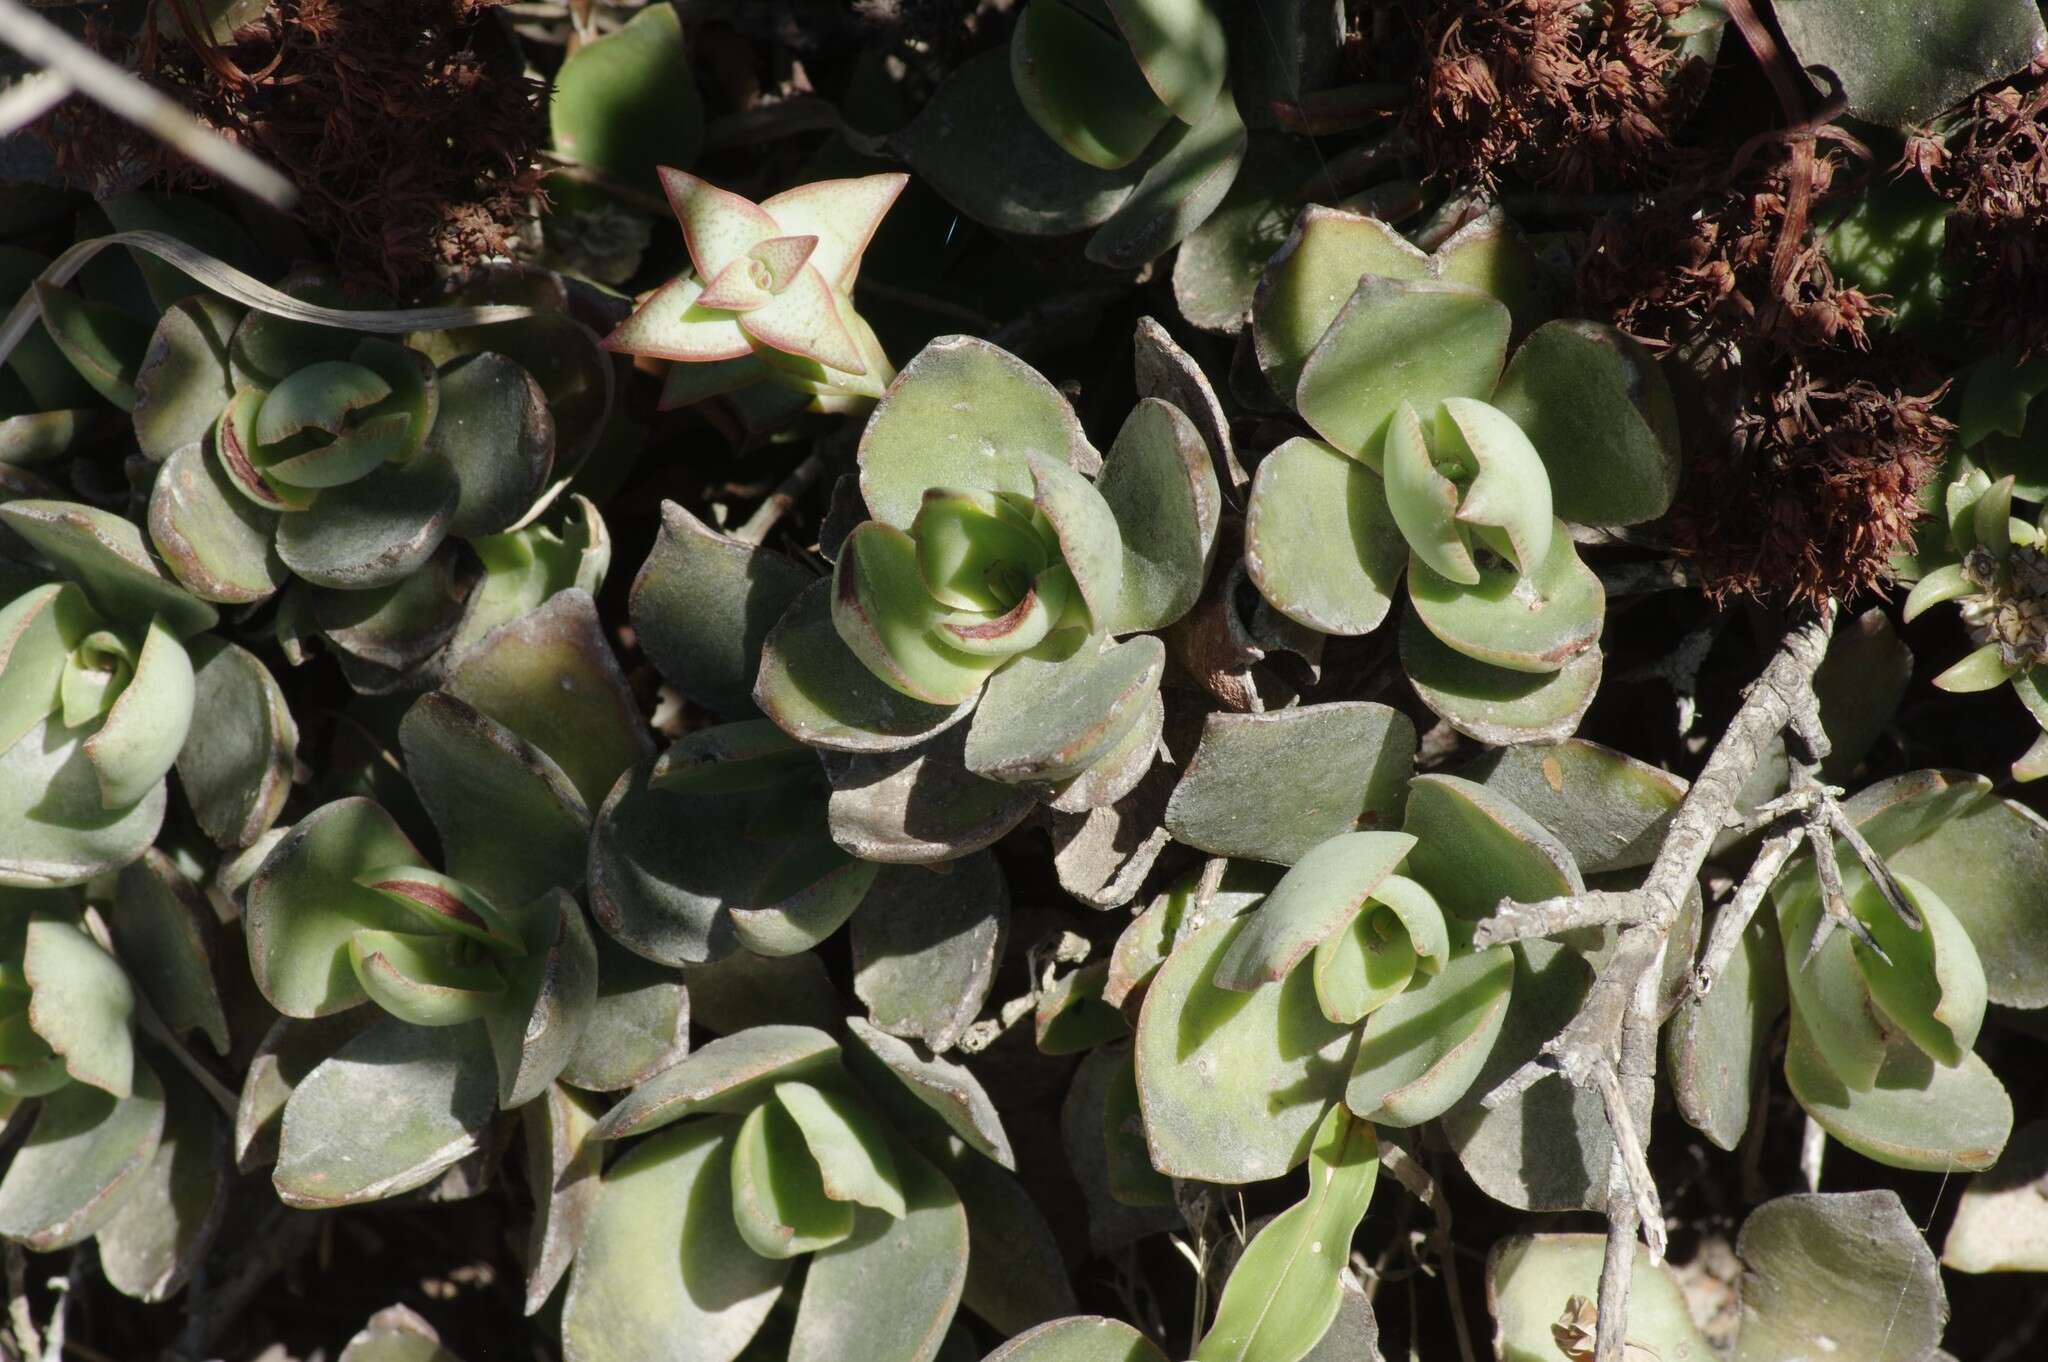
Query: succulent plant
{"type": "Point", "coordinates": [50, 408]}
{"type": "Point", "coordinates": [782, 1143]}
{"type": "Point", "coordinates": [106, 690]}
{"type": "Point", "coordinates": [1103, 78]}
{"type": "Point", "coordinates": [1351, 979]}
{"type": "Point", "coordinates": [1002, 730]}
{"type": "Point", "coordinates": [342, 460]}
{"type": "Point", "coordinates": [484, 969]}
{"type": "Point", "coordinates": [1991, 563]}
{"type": "Point", "coordinates": [769, 295]}
{"type": "Point", "coordinates": [123, 1146]}
{"type": "Point", "coordinates": [996, 575]}
{"type": "Point", "coordinates": [1442, 456]}
{"type": "Point", "coordinates": [741, 839]}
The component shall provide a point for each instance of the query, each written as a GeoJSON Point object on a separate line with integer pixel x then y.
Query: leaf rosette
{"type": "Point", "coordinates": [1352, 980]}
{"type": "Point", "coordinates": [1993, 564]}
{"type": "Point", "coordinates": [996, 574]}
{"type": "Point", "coordinates": [779, 1143]}
{"type": "Point", "coordinates": [1444, 457]}
{"type": "Point", "coordinates": [97, 693]}
{"type": "Point", "coordinates": [111, 1121]}
{"type": "Point", "coordinates": [769, 295]}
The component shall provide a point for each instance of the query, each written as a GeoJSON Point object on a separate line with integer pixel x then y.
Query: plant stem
{"type": "Point", "coordinates": [1610, 1046]}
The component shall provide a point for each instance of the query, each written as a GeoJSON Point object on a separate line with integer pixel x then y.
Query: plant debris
{"type": "Point", "coordinates": [1566, 100]}
{"type": "Point", "coordinates": [412, 134]}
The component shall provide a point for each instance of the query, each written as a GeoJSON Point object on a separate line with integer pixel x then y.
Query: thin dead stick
{"type": "Point", "coordinates": [27, 1344]}
{"type": "Point", "coordinates": [779, 501]}
{"type": "Point", "coordinates": [1611, 1045]}
{"type": "Point", "coordinates": [30, 98]}
{"type": "Point", "coordinates": [1733, 920]}
{"type": "Point", "coordinates": [1424, 1187]}
{"type": "Point", "coordinates": [126, 95]}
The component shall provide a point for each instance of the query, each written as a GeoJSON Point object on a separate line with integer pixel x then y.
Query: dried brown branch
{"type": "Point", "coordinates": [1610, 1046]}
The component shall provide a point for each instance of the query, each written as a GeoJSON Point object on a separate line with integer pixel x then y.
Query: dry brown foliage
{"type": "Point", "coordinates": [411, 135]}
{"type": "Point", "coordinates": [1567, 99]}
{"type": "Point", "coordinates": [1817, 487]}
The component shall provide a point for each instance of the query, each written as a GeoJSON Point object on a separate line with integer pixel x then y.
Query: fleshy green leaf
{"type": "Point", "coordinates": [81, 1004]}
{"type": "Point", "coordinates": [168, 938]}
{"type": "Point", "coordinates": [1599, 411]}
{"type": "Point", "coordinates": [1286, 1288]}
{"type": "Point", "coordinates": [305, 903]}
{"type": "Point", "coordinates": [1901, 68]}
{"type": "Point", "coordinates": [1216, 271]}
{"type": "Point", "coordinates": [702, 604]}
{"type": "Point", "coordinates": [495, 432]}
{"type": "Point", "coordinates": [1547, 1148]}
{"type": "Point", "coordinates": [1914, 1114]}
{"type": "Point", "coordinates": [639, 1022]}
{"type": "Point", "coordinates": [2001, 1222]}
{"type": "Point", "coordinates": [1608, 809]}
{"type": "Point", "coordinates": [1050, 719]}
{"type": "Point", "coordinates": [550, 994]}
{"type": "Point", "coordinates": [1233, 1084]}
{"type": "Point", "coordinates": [779, 1206]}
{"type": "Point", "coordinates": [551, 678]}
{"type": "Point", "coordinates": [967, 415]}
{"type": "Point", "coordinates": [1536, 622]}
{"type": "Point", "coordinates": [849, 1144]}
{"type": "Point", "coordinates": [728, 1075]}
{"type": "Point", "coordinates": [375, 531]}
{"type": "Point", "coordinates": [925, 954]}
{"type": "Point", "coordinates": [1187, 176]}
{"type": "Point", "coordinates": [511, 824]}
{"type": "Point", "coordinates": [87, 1150]}
{"type": "Point", "coordinates": [1079, 1338]}
{"type": "Point", "coordinates": [975, 119]}
{"type": "Point", "coordinates": [1320, 541]}
{"type": "Point", "coordinates": [1497, 705]}
{"type": "Point", "coordinates": [1312, 276]}
{"type": "Point", "coordinates": [56, 830]}
{"type": "Point", "coordinates": [1715, 1045]}
{"type": "Point", "coordinates": [919, 805]}
{"type": "Point", "coordinates": [104, 344]}
{"type": "Point", "coordinates": [626, 102]}
{"type": "Point", "coordinates": [1083, 86]}
{"type": "Point", "coordinates": [663, 1274]}
{"type": "Point", "coordinates": [1399, 340]}
{"type": "Point", "coordinates": [819, 691]}
{"type": "Point", "coordinates": [1476, 848]}
{"type": "Point", "coordinates": [1421, 1051]}
{"type": "Point", "coordinates": [562, 1174]}
{"type": "Point", "coordinates": [236, 765]}
{"type": "Point", "coordinates": [1531, 1279]}
{"type": "Point", "coordinates": [1182, 48]}
{"type": "Point", "coordinates": [105, 556]}
{"type": "Point", "coordinates": [1271, 786]}
{"type": "Point", "coordinates": [887, 617]}
{"type": "Point", "coordinates": [1316, 898]}
{"type": "Point", "coordinates": [942, 1086]}
{"type": "Point", "coordinates": [887, 1293]}
{"type": "Point", "coordinates": [183, 380]}
{"type": "Point", "coordinates": [216, 541]}
{"type": "Point", "coordinates": [387, 1112]}
{"type": "Point", "coordinates": [167, 1220]}
{"type": "Point", "coordinates": [1846, 1273]}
